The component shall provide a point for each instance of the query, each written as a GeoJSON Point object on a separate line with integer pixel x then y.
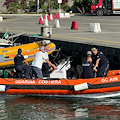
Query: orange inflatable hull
{"type": "Point", "coordinates": [62, 86]}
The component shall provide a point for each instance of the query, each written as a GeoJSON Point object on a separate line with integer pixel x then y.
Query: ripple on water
{"type": "Point", "coordinates": [48, 108]}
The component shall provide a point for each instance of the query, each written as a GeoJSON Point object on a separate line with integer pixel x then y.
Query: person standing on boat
{"type": "Point", "coordinates": [101, 62]}
{"type": "Point", "coordinates": [88, 69]}
{"type": "Point", "coordinates": [19, 67]}
{"type": "Point", "coordinates": [46, 67]}
{"type": "Point", "coordinates": [38, 61]}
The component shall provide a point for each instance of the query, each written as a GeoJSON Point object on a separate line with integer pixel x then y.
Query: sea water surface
{"type": "Point", "coordinates": [19, 107]}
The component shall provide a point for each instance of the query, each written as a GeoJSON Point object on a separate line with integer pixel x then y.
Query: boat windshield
{"type": "Point", "coordinates": [95, 2]}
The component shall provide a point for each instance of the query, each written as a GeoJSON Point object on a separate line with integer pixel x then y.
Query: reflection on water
{"type": "Point", "coordinates": [47, 108]}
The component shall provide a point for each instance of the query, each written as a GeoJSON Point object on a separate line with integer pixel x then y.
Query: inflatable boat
{"type": "Point", "coordinates": [28, 50]}
{"type": "Point", "coordinates": [59, 85]}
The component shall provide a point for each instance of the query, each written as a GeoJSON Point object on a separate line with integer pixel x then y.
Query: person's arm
{"type": "Point", "coordinates": [96, 65]}
{"type": "Point", "coordinates": [97, 62]}
{"type": "Point", "coordinates": [50, 64]}
{"type": "Point", "coordinates": [26, 62]}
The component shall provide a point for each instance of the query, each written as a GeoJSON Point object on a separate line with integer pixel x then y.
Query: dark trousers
{"type": "Point", "coordinates": [45, 69]}
{"type": "Point", "coordinates": [103, 70]}
{"type": "Point", "coordinates": [23, 68]}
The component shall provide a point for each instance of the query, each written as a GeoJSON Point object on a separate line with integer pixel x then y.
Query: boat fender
{"type": "Point", "coordinates": [3, 88]}
{"type": "Point", "coordinates": [82, 86]}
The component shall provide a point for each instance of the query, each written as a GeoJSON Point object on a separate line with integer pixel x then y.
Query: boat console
{"type": "Point", "coordinates": [61, 72]}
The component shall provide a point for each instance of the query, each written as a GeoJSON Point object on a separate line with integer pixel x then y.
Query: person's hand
{"type": "Point", "coordinates": [55, 67]}
{"type": "Point", "coordinates": [95, 69]}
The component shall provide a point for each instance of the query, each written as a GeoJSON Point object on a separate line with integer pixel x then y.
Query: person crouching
{"type": "Point", "coordinates": [88, 69]}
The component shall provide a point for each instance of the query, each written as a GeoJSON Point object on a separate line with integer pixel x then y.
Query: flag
{"type": "Point", "coordinates": [6, 35]}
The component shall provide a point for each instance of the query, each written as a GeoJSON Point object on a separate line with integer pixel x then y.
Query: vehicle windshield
{"type": "Point", "coordinates": [95, 2]}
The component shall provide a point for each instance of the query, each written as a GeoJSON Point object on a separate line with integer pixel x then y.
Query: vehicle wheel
{"type": "Point", "coordinates": [99, 13]}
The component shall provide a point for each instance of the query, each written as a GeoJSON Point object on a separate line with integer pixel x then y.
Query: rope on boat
{"type": "Point", "coordinates": [97, 80]}
{"type": "Point", "coordinates": [10, 81]}
{"type": "Point", "coordinates": [69, 87]}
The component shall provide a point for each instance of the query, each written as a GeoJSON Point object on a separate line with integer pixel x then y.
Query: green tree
{"type": "Point", "coordinates": [14, 5]}
{"type": "Point", "coordinates": [49, 5]}
{"type": "Point", "coordinates": [83, 5]}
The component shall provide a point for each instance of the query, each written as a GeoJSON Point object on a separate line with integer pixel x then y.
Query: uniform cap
{"type": "Point", "coordinates": [93, 49]}
{"type": "Point", "coordinates": [89, 53]}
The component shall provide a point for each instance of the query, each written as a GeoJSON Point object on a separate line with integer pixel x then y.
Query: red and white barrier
{"type": "Point", "coordinates": [67, 15]}
{"type": "Point", "coordinates": [62, 15]}
{"type": "Point", "coordinates": [57, 24]}
{"type": "Point", "coordinates": [41, 20]}
{"type": "Point", "coordinates": [57, 15]}
{"type": "Point", "coordinates": [45, 22]}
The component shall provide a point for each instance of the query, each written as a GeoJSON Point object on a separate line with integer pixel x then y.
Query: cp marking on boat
{"type": "Point", "coordinates": [113, 79]}
{"type": "Point", "coordinates": [49, 82]}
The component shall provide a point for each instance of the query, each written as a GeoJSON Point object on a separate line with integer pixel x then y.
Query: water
{"type": "Point", "coordinates": [15, 107]}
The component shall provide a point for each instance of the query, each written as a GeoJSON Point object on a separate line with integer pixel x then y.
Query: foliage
{"type": "Point", "coordinates": [65, 7]}
{"type": "Point", "coordinates": [54, 5]}
{"type": "Point", "coordinates": [83, 4]}
{"type": "Point", "coordinates": [14, 5]}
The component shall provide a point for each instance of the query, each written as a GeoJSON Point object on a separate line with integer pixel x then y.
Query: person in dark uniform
{"type": "Point", "coordinates": [88, 69]}
{"type": "Point", "coordinates": [19, 67]}
{"type": "Point", "coordinates": [101, 62]}
{"type": "Point", "coordinates": [89, 53]}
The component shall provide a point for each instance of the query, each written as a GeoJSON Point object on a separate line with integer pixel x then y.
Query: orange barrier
{"type": "Point", "coordinates": [53, 16]}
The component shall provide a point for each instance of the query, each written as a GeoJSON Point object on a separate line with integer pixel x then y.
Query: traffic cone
{"type": "Point", "coordinates": [74, 25]}
{"type": "Point", "coordinates": [45, 22]}
{"type": "Point", "coordinates": [53, 16]}
{"type": "Point", "coordinates": [41, 20]}
{"type": "Point", "coordinates": [48, 17]}
{"type": "Point", "coordinates": [57, 24]}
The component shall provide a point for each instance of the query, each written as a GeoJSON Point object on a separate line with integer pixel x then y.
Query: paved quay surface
{"type": "Point", "coordinates": [110, 25]}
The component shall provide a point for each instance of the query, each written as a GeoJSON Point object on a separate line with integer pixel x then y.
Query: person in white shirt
{"type": "Point", "coordinates": [38, 61]}
{"type": "Point", "coordinates": [46, 67]}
